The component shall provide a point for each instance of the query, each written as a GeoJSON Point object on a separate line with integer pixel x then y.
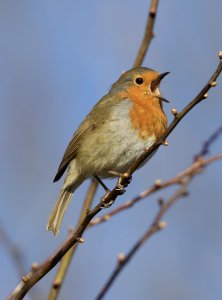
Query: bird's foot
{"type": "Point", "coordinates": [101, 183]}
{"type": "Point", "coordinates": [106, 203]}
{"type": "Point", "coordinates": [123, 181]}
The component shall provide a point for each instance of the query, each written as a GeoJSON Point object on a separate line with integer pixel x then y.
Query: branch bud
{"type": "Point", "coordinates": [162, 225]}
{"type": "Point", "coordinates": [205, 96]}
{"type": "Point", "coordinates": [80, 240]}
{"type": "Point", "coordinates": [213, 84]}
{"type": "Point", "coordinates": [220, 55]}
{"type": "Point", "coordinates": [26, 278]}
{"type": "Point", "coordinates": [121, 258]}
{"type": "Point", "coordinates": [174, 112]}
{"type": "Point", "coordinates": [34, 267]}
{"type": "Point", "coordinates": [106, 218]}
{"type": "Point", "coordinates": [158, 183]}
{"type": "Point", "coordinates": [56, 284]}
{"type": "Point", "coordinates": [95, 221]}
{"type": "Point", "coordinates": [165, 143]}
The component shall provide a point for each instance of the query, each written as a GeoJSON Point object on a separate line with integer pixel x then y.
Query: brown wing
{"type": "Point", "coordinates": [73, 147]}
{"type": "Point", "coordinates": [100, 112]}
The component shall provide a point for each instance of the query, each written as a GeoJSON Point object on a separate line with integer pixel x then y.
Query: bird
{"type": "Point", "coordinates": [125, 122]}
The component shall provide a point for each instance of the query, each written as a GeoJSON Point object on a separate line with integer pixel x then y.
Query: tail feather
{"type": "Point", "coordinates": [57, 214]}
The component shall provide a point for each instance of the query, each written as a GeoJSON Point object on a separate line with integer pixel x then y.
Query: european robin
{"type": "Point", "coordinates": [125, 122]}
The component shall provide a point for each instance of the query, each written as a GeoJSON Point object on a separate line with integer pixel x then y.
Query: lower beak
{"type": "Point", "coordinates": [163, 99]}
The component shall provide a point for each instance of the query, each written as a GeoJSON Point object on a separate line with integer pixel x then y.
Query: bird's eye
{"type": "Point", "coordinates": [139, 80]}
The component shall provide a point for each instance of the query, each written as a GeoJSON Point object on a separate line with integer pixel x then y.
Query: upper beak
{"type": "Point", "coordinates": [161, 76]}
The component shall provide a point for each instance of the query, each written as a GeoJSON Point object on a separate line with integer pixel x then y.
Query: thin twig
{"type": "Point", "coordinates": [33, 277]}
{"type": "Point", "coordinates": [66, 260]}
{"type": "Point", "coordinates": [156, 225]}
{"type": "Point", "coordinates": [148, 34]}
{"type": "Point", "coordinates": [206, 146]}
{"type": "Point", "coordinates": [183, 178]}
{"type": "Point", "coordinates": [157, 186]}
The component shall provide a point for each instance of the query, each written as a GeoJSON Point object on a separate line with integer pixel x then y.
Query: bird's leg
{"type": "Point", "coordinates": [103, 199]}
{"type": "Point", "coordinates": [101, 183]}
{"type": "Point", "coordinates": [123, 181]}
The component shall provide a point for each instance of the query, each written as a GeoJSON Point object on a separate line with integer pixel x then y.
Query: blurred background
{"type": "Point", "coordinates": [57, 59]}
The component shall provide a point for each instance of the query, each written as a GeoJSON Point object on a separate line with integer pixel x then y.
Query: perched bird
{"type": "Point", "coordinates": [125, 122]}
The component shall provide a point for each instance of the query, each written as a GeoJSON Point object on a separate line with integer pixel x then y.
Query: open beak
{"type": "Point", "coordinates": [156, 83]}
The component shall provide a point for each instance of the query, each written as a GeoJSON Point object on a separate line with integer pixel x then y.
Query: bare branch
{"type": "Point", "coordinates": [148, 35]}
{"type": "Point", "coordinates": [156, 225]}
{"type": "Point", "coordinates": [157, 186]}
{"type": "Point", "coordinates": [31, 278]}
{"type": "Point", "coordinates": [206, 146]}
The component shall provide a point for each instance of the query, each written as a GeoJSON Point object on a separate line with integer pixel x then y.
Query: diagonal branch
{"type": "Point", "coordinates": [202, 95]}
{"type": "Point", "coordinates": [148, 34]}
{"type": "Point", "coordinates": [156, 225]}
{"type": "Point", "coordinates": [157, 186]}
{"type": "Point", "coordinates": [33, 277]}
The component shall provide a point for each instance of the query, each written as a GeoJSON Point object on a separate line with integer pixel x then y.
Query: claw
{"type": "Point", "coordinates": [120, 189]}
{"type": "Point", "coordinates": [124, 179]}
{"type": "Point", "coordinates": [104, 203]}
{"type": "Point", "coordinates": [101, 183]}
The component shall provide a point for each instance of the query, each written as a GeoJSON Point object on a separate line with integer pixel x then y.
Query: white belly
{"type": "Point", "coordinates": [115, 150]}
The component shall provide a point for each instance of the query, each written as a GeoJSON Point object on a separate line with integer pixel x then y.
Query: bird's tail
{"type": "Point", "coordinates": [57, 214]}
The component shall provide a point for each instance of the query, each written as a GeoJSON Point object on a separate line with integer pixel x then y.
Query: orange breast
{"type": "Point", "coordinates": [146, 114]}
{"type": "Point", "coordinates": [148, 120]}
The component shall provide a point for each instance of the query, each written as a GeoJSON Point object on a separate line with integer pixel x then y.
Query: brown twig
{"type": "Point", "coordinates": [148, 34]}
{"type": "Point", "coordinates": [206, 146]}
{"type": "Point", "coordinates": [33, 277]}
{"type": "Point", "coordinates": [157, 223]}
{"type": "Point", "coordinates": [66, 260]}
{"type": "Point", "coordinates": [157, 186]}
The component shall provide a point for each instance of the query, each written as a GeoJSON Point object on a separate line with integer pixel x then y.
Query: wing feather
{"type": "Point", "coordinates": [73, 147]}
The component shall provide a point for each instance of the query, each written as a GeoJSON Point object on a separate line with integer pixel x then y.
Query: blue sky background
{"type": "Point", "coordinates": [57, 59]}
